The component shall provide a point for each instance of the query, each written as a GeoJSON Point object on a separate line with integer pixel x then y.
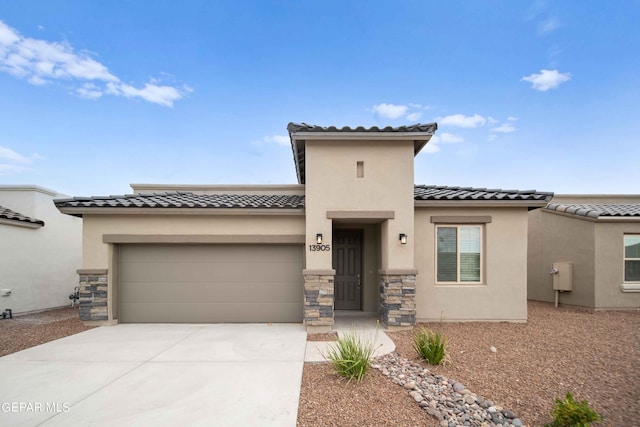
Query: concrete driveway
{"type": "Point", "coordinates": [160, 375]}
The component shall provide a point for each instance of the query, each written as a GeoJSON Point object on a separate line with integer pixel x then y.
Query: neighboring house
{"type": "Point", "coordinates": [40, 249]}
{"type": "Point", "coordinates": [355, 234]}
{"type": "Point", "coordinates": [599, 237]}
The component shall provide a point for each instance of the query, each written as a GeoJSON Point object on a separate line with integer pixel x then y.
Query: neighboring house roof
{"type": "Point", "coordinates": [7, 215]}
{"type": "Point", "coordinates": [183, 199]}
{"type": "Point", "coordinates": [445, 193]}
{"type": "Point", "coordinates": [299, 133]}
{"type": "Point", "coordinates": [604, 211]}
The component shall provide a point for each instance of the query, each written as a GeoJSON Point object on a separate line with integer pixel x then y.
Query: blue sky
{"type": "Point", "coordinates": [527, 95]}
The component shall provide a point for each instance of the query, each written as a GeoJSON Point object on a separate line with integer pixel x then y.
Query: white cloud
{"type": "Point", "coordinates": [14, 162]}
{"type": "Point", "coordinates": [460, 120]}
{"type": "Point", "coordinates": [512, 119]}
{"type": "Point", "coordinates": [89, 91]}
{"type": "Point", "coordinates": [547, 79]}
{"type": "Point", "coordinates": [12, 156]}
{"type": "Point", "coordinates": [504, 128]}
{"type": "Point", "coordinates": [548, 25]}
{"type": "Point", "coordinates": [414, 117]}
{"type": "Point", "coordinates": [491, 120]}
{"type": "Point", "coordinates": [450, 138]}
{"type": "Point", "coordinates": [278, 139]}
{"type": "Point", "coordinates": [41, 62]}
{"type": "Point", "coordinates": [390, 111]}
{"type": "Point", "coordinates": [433, 145]}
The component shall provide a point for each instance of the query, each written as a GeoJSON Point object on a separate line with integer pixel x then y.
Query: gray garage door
{"type": "Point", "coordinates": [210, 283]}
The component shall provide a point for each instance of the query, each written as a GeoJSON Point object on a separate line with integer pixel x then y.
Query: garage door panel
{"type": "Point", "coordinates": [212, 312]}
{"type": "Point", "coordinates": [242, 272]}
{"type": "Point", "coordinates": [217, 253]}
{"type": "Point", "coordinates": [211, 292]}
{"type": "Point", "coordinates": [210, 283]}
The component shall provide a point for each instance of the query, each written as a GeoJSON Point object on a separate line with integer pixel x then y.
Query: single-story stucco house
{"type": "Point", "coordinates": [593, 242]}
{"type": "Point", "coordinates": [355, 234]}
{"type": "Point", "coordinates": [40, 249]}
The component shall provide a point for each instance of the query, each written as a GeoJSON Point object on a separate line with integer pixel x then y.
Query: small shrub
{"type": "Point", "coordinates": [569, 413]}
{"type": "Point", "coordinates": [350, 355]}
{"type": "Point", "coordinates": [430, 345]}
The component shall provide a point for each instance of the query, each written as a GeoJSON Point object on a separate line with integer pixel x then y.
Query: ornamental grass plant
{"type": "Point", "coordinates": [430, 345]}
{"type": "Point", "coordinates": [350, 355]}
{"type": "Point", "coordinates": [569, 413]}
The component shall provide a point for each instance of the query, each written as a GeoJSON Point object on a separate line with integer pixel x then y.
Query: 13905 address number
{"type": "Point", "coordinates": [319, 248]}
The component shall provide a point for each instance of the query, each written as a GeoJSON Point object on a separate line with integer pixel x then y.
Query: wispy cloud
{"type": "Point", "coordinates": [41, 62]}
{"type": "Point", "coordinates": [504, 128]}
{"type": "Point", "coordinates": [13, 162]}
{"type": "Point", "coordinates": [390, 111]}
{"type": "Point", "coordinates": [442, 138]}
{"type": "Point", "coordinates": [547, 79]}
{"type": "Point", "coordinates": [411, 112]}
{"type": "Point", "coordinates": [548, 25]}
{"type": "Point", "coordinates": [273, 139]}
{"type": "Point", "coordinates": [460, 120]}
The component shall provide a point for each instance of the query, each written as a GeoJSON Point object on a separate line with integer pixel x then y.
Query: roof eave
{"type": "Point", "coordinates": [601, 219]}
{"type": "Point", "coordinates": [479, 203]}
{"type": "Point", "coordinates": [81, 211]}
{"type": "Point", "coordinates": [23, 224]}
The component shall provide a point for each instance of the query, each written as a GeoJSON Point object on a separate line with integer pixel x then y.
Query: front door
{"type": "Point", "coordinates": [347, 261]}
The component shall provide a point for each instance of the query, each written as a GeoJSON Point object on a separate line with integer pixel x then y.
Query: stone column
{"type": "Point", "coordinates": [318, 298]}
{"type": "Point", "coordinates": [93, 294]}
{"type": "Point", "coordinates": [398, 297]}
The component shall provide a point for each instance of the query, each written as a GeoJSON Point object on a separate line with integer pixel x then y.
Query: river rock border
{"type": "Point", "coordinates": [448, 401]}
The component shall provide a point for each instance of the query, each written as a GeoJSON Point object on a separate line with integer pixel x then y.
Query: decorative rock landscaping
{"type": "Point", "coordinates": [448, 401]}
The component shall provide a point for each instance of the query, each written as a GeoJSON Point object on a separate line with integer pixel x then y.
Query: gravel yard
{"type": "Point", "coordinates": [594, 355]}
{"type": "Point", "coordinates": [30, 330]}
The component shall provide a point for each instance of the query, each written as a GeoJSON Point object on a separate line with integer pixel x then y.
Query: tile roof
{"type": "Point", "coordinates": [182, 199]}
{"type": "Point", "coordinates": [433, 192]}
{"type": "Point", "coordinates": [423, 132]}
{"type": "Point", "coordinates": [15, 216]}
{"type": "Point", "coordinates": [597, 211]}
{"type": "Point", "coordinates": [419, 127]}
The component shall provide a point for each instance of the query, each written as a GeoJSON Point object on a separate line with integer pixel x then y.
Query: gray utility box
{"type": "Point", "coordinates": [562, 273]}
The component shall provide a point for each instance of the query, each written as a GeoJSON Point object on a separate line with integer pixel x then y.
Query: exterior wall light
{"type": "Point", "coordinates": [319, 238]}
{"type": "Point", "coordinates": [403, 238]}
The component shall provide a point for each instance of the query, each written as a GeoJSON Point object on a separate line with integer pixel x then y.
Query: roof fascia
{"type": "Point", "coordinates": [180, 211]}
{"type": "Point", "coordinates": [18, 223]}
{"type": "Point", "coordinates": [609, 219]}
{"type": "Point", "coordinates": [479, 204]}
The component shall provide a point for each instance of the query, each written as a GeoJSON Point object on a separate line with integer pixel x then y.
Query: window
{"type": "Point", "coordinates": [459, 254]}
{"type": "Point", "coordinates": [632, 258]}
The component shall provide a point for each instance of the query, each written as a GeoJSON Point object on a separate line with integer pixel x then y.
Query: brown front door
{"type": "Point", "coordinates": [347, 261]}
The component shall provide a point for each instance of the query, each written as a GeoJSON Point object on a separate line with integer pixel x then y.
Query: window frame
{"type": "Point", "coordinates": [481, 227]}
{"type": "Point", "coordinates": [625, 259]}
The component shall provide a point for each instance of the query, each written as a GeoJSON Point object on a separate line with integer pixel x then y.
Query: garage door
{"type": "Point", "coordinates": [210, 283]}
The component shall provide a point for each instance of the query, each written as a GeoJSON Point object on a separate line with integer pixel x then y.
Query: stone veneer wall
{"type": "Point", "coordinates": [318, 297]}
{"type": "Point", "coordinates": [93, 295]}
{"type": "Point", "coordinates": [397, 298]}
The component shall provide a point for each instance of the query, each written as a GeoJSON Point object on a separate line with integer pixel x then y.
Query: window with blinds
{"type": "Point", "coordinates": [459, 254]}
{"type": "Point", "coordinates": [632, 258]}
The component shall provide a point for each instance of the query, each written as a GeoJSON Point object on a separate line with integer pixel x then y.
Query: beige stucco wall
{"type": "Point", "coordinates": [332, 185]}
{"type": "Point", "coordinates": [38, 265]}
{"type": "Point", "coordinates": [560, 238]}
{"type": "Point", "coordinates": [95, 251]}
{"type": "Point", "coordinates": [503, 293]}
{"type": "Point", "coordinates": [609, 253]}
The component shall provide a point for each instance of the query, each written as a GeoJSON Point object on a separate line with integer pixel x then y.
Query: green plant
{"type": "Point", "coordinates": [569, 413]}
{"type": "Point", "coordinates": [350, 355]}
{"type": "Point", "coordinates": [430, 345]}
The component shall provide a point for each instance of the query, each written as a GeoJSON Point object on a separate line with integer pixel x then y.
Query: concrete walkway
{"type": "Point", "coordinates": [160, 375]}
{"type": "Point", "coordinates": [366, 327]}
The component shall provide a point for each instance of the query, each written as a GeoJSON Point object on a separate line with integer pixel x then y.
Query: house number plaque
{"type": "Point", "coordinates": [319, 248]}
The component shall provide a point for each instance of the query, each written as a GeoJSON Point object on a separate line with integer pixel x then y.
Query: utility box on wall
{"type": "Point", "coordinates": [562, 273]}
